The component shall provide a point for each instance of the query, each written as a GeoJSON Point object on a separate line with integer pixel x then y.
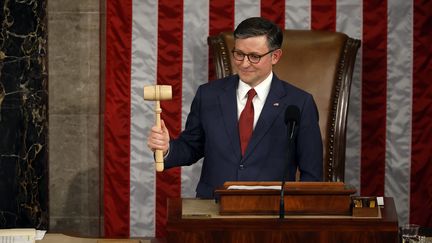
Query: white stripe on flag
{"type": "Point", "coordinates": [143, 72]}
{"type": "Point", "coordinates": [349, 21]}
{"type": "Point", "coordinates": [399, 90]}
{"type": "Point", "coordinates": [297, 14]}
{"type": "Point", "coordinates": [195, 72]}
{"type": "Point", "coordinates": [246, 8]}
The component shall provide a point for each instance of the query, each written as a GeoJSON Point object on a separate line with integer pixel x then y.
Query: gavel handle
{"type": "Point", "coordinates": [158, 153]}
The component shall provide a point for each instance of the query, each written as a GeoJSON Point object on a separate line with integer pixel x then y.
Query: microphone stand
{"type": "Point", "coordinates": [282, 193]}
{"type": "Point", "coordinates": [282, 201]}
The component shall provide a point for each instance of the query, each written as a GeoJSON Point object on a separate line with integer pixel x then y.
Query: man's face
{"type": "Point", "coordinates": [251, 73]}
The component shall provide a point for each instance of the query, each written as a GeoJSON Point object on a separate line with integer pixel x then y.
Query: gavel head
{"type": "Point", "coordinates": [157, 92]}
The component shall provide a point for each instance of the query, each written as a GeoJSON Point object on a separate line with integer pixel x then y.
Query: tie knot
{"type": "Point", "coordinates": [250, 94]}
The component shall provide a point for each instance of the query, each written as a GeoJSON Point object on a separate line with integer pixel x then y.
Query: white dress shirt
{"type": "Point", "coordinates": [262, 90]}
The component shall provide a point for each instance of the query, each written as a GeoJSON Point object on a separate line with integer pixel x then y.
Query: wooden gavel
{"type": "Point", "coordinates": [158, 93]}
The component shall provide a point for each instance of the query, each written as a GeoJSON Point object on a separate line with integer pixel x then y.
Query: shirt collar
{"type": "Point", "coordinates": [262, 89]}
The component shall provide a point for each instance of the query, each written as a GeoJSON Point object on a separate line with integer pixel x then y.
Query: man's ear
{"type": "Point", "coordinates": [276, 55]}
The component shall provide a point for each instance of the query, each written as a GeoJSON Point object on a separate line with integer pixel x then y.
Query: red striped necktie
{"type": "Point", "coordinates": [246, 121]}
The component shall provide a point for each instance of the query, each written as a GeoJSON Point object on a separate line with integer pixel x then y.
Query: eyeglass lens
{"type": "Point", "coordinates": [253, 58]}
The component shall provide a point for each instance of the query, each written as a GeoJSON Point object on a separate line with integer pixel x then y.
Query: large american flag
{"type": "Point", "coordinates": [389, 137]}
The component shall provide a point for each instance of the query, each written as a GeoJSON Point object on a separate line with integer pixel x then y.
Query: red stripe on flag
{"type": "Point", "coordinates": [421, 169]}
{"type": "Point", "coordinates": [323, 15]}
{"type": "Point", "coordinates": [221, 15]}
{"type": "Point", "coordinates": [374, 92]}
{"type": "Point", "coordinates": [274, 10]}
{"type": "Point", "coordinates": [169, 72]}
{"type": "Point", "coordinates": [117, 118]}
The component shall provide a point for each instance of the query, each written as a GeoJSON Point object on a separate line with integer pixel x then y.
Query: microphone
{"type": "Point", "coordinates": [292, 116]}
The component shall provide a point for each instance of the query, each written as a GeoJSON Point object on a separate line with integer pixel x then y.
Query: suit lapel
{"type": "Point", "coordinates": [273, 107]}
{"type": "Point", "coordinates": [228, 102]}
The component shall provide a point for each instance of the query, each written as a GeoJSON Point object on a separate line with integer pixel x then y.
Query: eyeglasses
{"type": "Point", "coordinates": [252, 57]}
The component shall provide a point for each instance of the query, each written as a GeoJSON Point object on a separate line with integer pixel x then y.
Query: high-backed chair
{"type": "Point", "coordinates": [320, 62]}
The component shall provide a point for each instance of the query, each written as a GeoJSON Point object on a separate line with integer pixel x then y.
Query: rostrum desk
{"type": "Point", "coordinates": [249, 229]}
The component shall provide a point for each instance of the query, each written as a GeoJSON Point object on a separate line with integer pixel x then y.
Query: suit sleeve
{"type": "Point", "coordinates": [188, 148]}
{"type": "Point", "coordinates": [309, 146]}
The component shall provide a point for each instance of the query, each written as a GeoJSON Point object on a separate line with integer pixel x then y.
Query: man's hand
{"type": "Point", "coordinates": [159, 138]}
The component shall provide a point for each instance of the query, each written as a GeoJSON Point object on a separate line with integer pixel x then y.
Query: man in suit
{"type": "Point", "coordinates": [245, 139]}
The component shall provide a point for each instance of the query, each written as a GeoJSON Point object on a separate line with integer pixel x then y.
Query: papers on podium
{"type": "Point", "coordinates": [17, 235]}
{"type": "Point", "coordinates": [259, 187]}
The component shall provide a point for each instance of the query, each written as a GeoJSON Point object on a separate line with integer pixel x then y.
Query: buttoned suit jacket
{"type": "Point", "coordinates": [211, 132]}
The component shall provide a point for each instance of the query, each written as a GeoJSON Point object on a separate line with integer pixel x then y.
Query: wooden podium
{"type": "Point", "coordinates": [300, 198]}
{"type": "Point", "coordinates": [196, 220]}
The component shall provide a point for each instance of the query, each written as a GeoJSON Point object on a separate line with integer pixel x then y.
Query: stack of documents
{"type": "Point", "coordinates": [17, 235]}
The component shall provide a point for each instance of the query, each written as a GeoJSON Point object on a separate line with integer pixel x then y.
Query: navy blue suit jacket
{"type": "Point", "coordinates": [212, 132]}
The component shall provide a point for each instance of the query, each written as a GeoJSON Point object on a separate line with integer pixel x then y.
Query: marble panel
{"type": "Point", "coordinates": [74, 63]}
{"type": "Point", "coordinates": [23, 115]}
{"type": "Point", "coordinates": [74, 172]}
{"type": "Point", "coordinates": [82, 226]}
{"type": "Point", "coordinates": [74, 115]}
{"type": "Point", "coordinates": [73, 6]}
{"type": "Point", "coordinates": [74, 128]}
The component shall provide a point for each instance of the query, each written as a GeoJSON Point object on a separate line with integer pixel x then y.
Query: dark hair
{"type": "Point", "coordinates": [257, 26]}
